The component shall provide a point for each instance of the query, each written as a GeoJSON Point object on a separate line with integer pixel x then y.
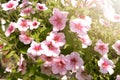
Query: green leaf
{"type": "Point", "coordinates": [10, 54]}
{"type": "Point", "coordinates": [7, 47]}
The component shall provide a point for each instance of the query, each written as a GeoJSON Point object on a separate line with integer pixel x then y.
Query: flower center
{"type": "Point", "coordinates": [37, 48]}
{"type": "Point", "coordinates": [10, 28]}
{"type": "Point", "coordinates": [49, 58]}
{"type": "Point", "coordinates": [56, 38]}
{"type": "Point", "coordinates": [35, 24]}
{"type": "Point", "coordinates": [41, 7]}
{"type": "Point", "coordinates": [24, 23]}
{"type": "Point", "coordinates": [104, 64]}
{"type": "Point", "coordinates": [61, 63]}
{"type": "Point", "coordinates": [50, 46]}
{"type": "Point", "coordinates": [78, 26]}
{"type": "Point", "coordinates": [101, 47]}
{"type": "Point", "coordinates": [73, 61]}
{"type": "Point", "coordinates": [10, 5]}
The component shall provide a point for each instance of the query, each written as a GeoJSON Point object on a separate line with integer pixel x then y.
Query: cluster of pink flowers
{"type": "Point", "coordinates": [105, 64]}
{"type": "Point", "coordinates": [81, 26]}
{"type": "Point", "coordinates": [22, 25]}
{"type": "Point", "coordinates": [49, 50]}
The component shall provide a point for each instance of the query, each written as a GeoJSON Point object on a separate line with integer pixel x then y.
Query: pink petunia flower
{"type": "Point", "coordinates": [101, 47]}
{"type": "Point", "coordinates": [25, 39]}
{"type": "Point", "coordinates": [41, 7]}
{"type": "Point", "coordinates": [10, 5]}
{"type": "Point", "coordinates": [117, 77]}
{"type": "Point", "coordinates": [74, 61]}
{"type": "Point", "coordinates": [35, 49]}
{"type": "Point", "coordinates": [59, 65]}
{"type": "Point", "coordinates": [50, 49]}
{"type": "Point", "coordinates": [21, 64]}
{"type": "Point", "coordinates": [106, 65]}
{"type": "Point", "coordinates": [10, 29]}
{"type": "Point", "coordinates": [48, 60]}
{"type": "Point", "coordinates": [58, 20]}
{"type": "Point", "coordinates": [27, 11]}
{"type": "Point", "coordinates": [116, 46]}
{"type": "Point", "coordinates": [57, 39]}
{"type": "Point", "coordinates": [79, 26]}
{"type": "Point", "coordinates": [86, 41]}
{"type": "Point", "coordinates": [22, 24]}
{"type": "Point", "coordinates": [34, 24]}
{"type": "Point", "coordinates": [81, 74]}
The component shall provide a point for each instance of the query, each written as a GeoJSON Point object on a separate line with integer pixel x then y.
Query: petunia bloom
{"type": "Point", "coordinates": [41, 7]}
{"type": "Point", "coordinates": [50, 49]}
{"type": "Point", "coordinates": [58, 20]}
{"type": "Point", "coordinates": [106, 65]}
{"type": "Point", "coordinates": [74, 61]}
{"type": "Point", "coordinates": [10, 5]}
{"type": "Point", "coordinates": [34, 24]}
{"type": "Point", "coordinates": [86, 41]}
{"type": "Point", "coordinates": [116, 46]}
{"type": "Point", "coordinates": [101, 47]}
{"type": "Point", "coordinates": [23, 24]}
{"type": "Point", "coordinates": [57, 39]}
{"type": "Point", "coordinates": [59, 65]}
{"type": "Point", "coordinates": [27, 11]}
{"type": "Point", "coordinates": [10, 29]}
{"type": "Point", "coordinates": [35, 49]}
{"type": "Point", "coordinates": [48, 60]}
{"type": "Point", "coordinates": [25, 39]}
{"type": "Point", "coordinates": [79, 26]}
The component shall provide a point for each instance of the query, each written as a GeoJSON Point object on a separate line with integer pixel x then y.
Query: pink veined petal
{"type": "Point", "coordinates": [25, 39]}
{"type": "Point", "coordinates": [58, 39]}
{"type": "Point", "coordinates": [101, 47]}
{"type": "Point", "coordinates": [106, 65]}
{"type": "Point", "coordinates": [58, 20]}
{"type": "Point", "coordinates": [23, 24]}
{"type": "Point", "coordinates": [27, 11]}
{"type": "Point", "coordinates": [50, 49]}
{"type": "Point", "coordinates": [59, 65]}
{"type": "Point", "coordinates": [41, 7]}
{"type": "Point", "coordinates": [34, 24]}
{"type": "Point", "coordinates": [10, 29]}
{"type": "Point", "coordinates": [74, 61]}
{"type": "Point", "coordinates": [10, 5]}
